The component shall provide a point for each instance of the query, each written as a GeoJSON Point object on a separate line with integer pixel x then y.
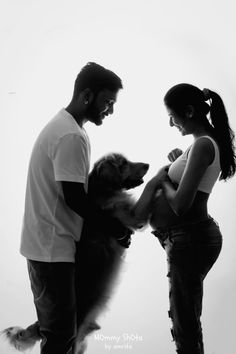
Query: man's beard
{"type": "Point", "coordinates": [93, 114]}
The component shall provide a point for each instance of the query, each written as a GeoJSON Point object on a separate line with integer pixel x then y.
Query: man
{"type": "Point", "coordinates": [56, 204]}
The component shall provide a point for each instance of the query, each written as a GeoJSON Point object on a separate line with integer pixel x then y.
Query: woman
{"type": "Point", "coordinates": [180, 218]}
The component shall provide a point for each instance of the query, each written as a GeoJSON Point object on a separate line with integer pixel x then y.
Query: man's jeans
{"type": "Point", "coordinates": [53, 287]}
{"type": "Point", "coordinates": [191, 249]}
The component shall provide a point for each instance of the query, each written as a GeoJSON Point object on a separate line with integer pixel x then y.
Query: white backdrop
{"type": "Point", "coordinates": [152, 45]}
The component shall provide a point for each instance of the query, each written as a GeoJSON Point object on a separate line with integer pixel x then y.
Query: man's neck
{"type": "Point", "coordinates": [78, 117]}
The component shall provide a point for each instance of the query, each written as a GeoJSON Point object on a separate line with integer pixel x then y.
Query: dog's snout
{"type": "Point", "coordinates": [140, 168]}
{"type": "Point", "coordinates": [146, 166]}
{"type": "Point", "coordinates": [143, 167]}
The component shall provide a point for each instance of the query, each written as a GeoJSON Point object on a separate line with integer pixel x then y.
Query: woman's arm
{"type": "Point", "coordinates": [201, 156]}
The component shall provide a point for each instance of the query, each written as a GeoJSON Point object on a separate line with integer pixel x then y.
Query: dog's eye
{"type": "Point", "coordinates": [122, 165]}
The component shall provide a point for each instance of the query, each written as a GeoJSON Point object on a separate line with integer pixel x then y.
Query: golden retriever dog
{"type": "Point", "coordinates": [99, 255]}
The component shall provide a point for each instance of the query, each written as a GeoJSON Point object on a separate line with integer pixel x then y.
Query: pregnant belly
{"type": "Point", "coordinates": [162, 214]}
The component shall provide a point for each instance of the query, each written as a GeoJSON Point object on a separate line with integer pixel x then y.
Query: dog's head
{"type": "Point", "coordinates": [115, 172]}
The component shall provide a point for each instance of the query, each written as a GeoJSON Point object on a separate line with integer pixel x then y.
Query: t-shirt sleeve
{"type": "Point", "coordinates": [70, 159]}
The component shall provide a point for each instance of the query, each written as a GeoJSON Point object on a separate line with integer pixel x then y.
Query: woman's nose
{"type": "Point", "coordinates": [171, 122]}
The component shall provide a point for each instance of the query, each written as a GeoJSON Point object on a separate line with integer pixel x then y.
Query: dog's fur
{"type": "Point", "coordinates": [99, 256]}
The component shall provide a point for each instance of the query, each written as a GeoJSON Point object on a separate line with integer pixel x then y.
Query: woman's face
{"type": "Point", "coordinates": [178, 121]}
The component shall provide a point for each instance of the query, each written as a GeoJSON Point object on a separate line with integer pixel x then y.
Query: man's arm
{"type": "Point", "coordinates": [77, 199]}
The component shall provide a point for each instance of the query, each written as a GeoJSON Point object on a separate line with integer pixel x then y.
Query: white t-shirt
{"type": "Point", "coordinates": [50, 228]}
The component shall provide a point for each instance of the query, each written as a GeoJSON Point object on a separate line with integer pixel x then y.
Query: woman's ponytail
{"type": "Point", "coordinates": [223, 134]}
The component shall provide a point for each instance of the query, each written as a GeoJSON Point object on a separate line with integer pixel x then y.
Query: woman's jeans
{"type": "Point", "coordinates": [53, 287]}
{"type": "Point", "coordinates": [191, 249]}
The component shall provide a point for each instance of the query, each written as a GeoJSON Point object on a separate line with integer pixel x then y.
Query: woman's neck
{"type": "Point", "coordinates": [202, 130]}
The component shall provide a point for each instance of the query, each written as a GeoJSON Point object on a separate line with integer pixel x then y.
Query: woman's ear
{"type": "Point", "coordinates": [189, 112]}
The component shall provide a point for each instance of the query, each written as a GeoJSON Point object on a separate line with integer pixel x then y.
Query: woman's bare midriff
{"type": "Point", "coordinates": [164, 216]}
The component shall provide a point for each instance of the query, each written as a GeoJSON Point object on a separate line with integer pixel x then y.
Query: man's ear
{"type": "Point", "coordinates": [189, 112]}
{"type": "Point", "coordinates": [87, 96]}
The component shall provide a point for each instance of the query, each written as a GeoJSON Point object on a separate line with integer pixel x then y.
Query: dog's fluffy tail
{"type": "Point", "coordinates": [22, 339]}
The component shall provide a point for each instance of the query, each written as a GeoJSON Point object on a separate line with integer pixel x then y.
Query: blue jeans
{"type": "Point", "coordinates": [191, 249]}
{"type": "Point", "coordinates": [53, 287]}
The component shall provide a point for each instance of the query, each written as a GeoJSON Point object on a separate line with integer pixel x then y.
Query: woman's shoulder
{"type": "Point", "coordinates": [205, 141]}
{"type": "Point", "coordinates": [207, 138]}
{"type": "Point", "coordinates": [204, 148]}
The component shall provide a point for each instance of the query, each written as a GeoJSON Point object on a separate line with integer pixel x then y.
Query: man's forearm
{"type": "Point", "coordinates": [78, 200]}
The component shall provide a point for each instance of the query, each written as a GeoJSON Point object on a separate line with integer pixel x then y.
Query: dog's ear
{"type": "Point", "coordinates": [109, 175]}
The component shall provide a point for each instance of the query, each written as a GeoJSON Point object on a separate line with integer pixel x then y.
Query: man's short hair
{"type": "Point", "coordinates": [97, 78]}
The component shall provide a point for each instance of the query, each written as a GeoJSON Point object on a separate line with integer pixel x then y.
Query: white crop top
{"type": "Point", "coordinates": [209, 178]}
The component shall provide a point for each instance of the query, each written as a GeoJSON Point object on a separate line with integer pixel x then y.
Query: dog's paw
{"type": "Point", "coordinates": [18, 338]}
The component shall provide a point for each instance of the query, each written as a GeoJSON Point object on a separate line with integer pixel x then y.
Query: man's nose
{"type": "Point", "coordinates": [110, 109]}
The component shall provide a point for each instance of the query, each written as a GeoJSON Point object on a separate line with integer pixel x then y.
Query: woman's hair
{"type": "Point", "coordinates": [182, 95]}
{"type": "Point", "coordinates": [96, 78]}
